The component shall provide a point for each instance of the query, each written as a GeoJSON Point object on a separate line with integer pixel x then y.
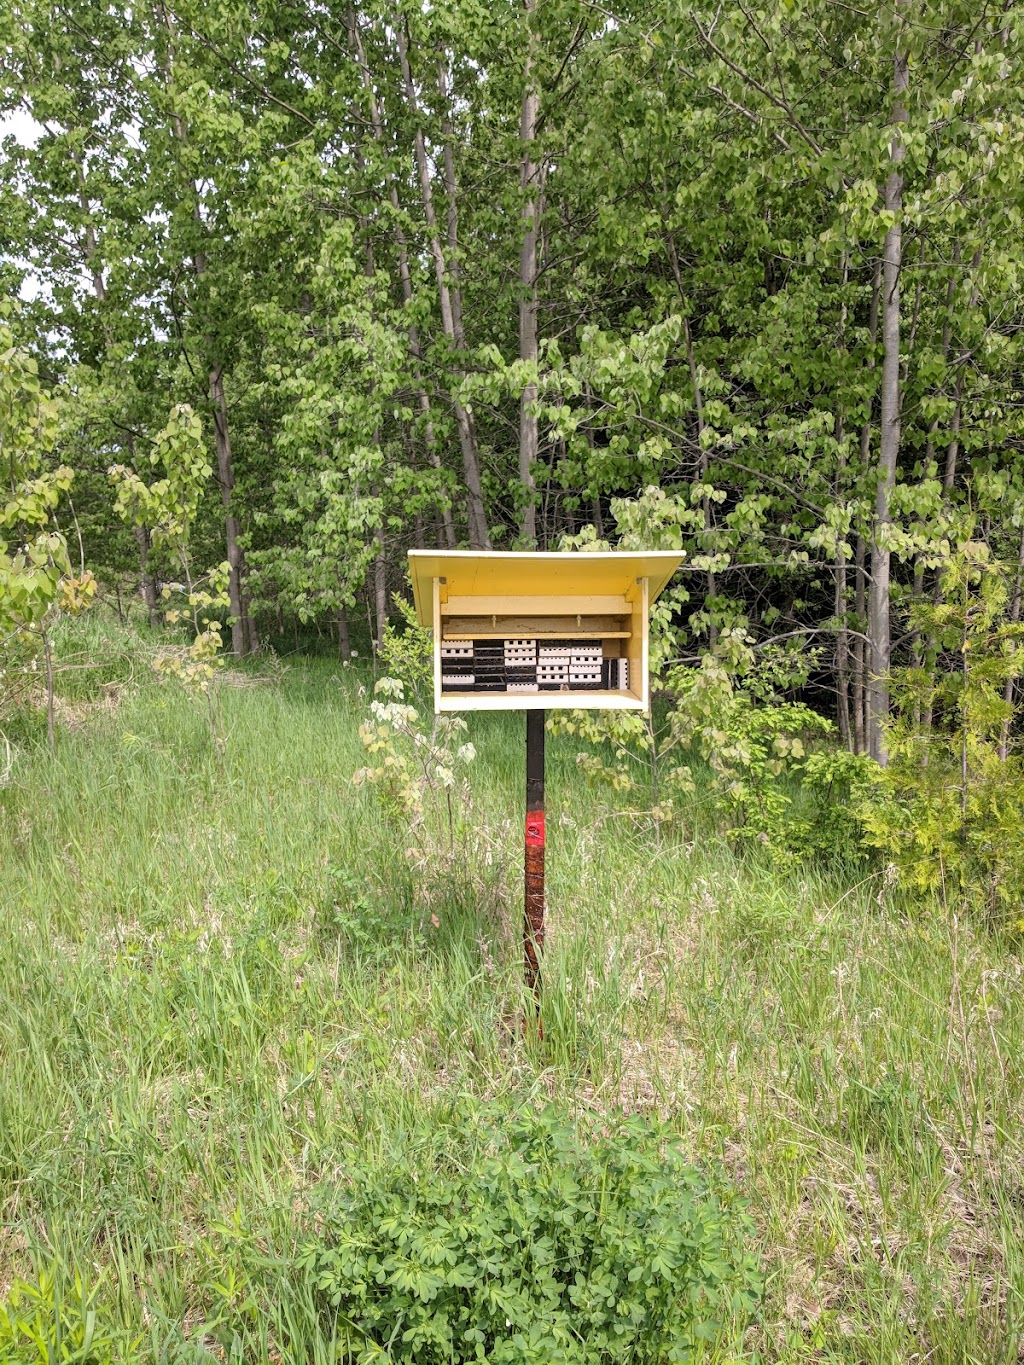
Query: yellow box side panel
{"type": "Point", "coordinates": [637, 649]}
{"type": "Point", "coordinates": [436, 589]}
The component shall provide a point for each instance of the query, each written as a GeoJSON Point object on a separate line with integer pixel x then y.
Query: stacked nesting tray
{"type": "Point", "coordinates": [525, 665]}
{"type": "Point", "coordinates": [520, 665]}
{"type": "Point", "coordinates": [573, 665]}
{"type": "Point", "coordinates": [457, 666]}
{"type": "Point", "coordinates": [489, 665]}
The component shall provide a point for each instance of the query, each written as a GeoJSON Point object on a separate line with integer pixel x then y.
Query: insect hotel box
{"type": "Point", "coordinates": [525, 630]}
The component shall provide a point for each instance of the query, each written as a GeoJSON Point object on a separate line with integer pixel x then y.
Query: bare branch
{"type": "Point", "coordinates": [776, 100]}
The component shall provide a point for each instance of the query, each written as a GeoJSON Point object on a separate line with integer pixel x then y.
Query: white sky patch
{"type": "Point", "coordinates": [27, 132]}
{"type": "Point", "coordinates": [21, 126]}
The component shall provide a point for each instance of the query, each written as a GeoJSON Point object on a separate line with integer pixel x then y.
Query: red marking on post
{"type": "Point", "coordinates": [535, 829]}
{"type": "Point", "coordinates": [533, 928]}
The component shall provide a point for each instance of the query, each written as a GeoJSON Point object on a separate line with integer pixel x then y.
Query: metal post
{"type": "Point", "coordinates": [533, 923]}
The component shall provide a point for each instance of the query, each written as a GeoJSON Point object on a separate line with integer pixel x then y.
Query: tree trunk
{"type": "Point", "coordinates": [842, 656]}
{"type": "Point", "coordinates": [953, 446]}
{"type": "Point", "coordinates": [842, 638]}
{"type": "Point", "coordinates": [698, 408]}
{"type": "Point", "coordinates": [920, 652]}
{"type": "Point", "coordinates": [226, 478]}
{"type": "Point", "coordinates": [528, 187]}
{"type": "Point", "coordinates": [242, 629]}
{"type": "Point", "coordinates": [889, 436]}
{"type": "Point", "coordinates": [859, 649]}
{"type": "Point", "coordinates": [252, 637]}
{"type": "Point", "coordinates": [147, 584]}
{"type": "Point", "coordinates": [90, 246]}
{"type": "Point", "coordinates": [451, 193]}
{"type": "Point", "coordinates": [380, 595]}
{"type": "Point", "coordinates": [476, 514]}
{"type": "Point", "coordinates": [344, 643]}
{"type": "Point", "coordinates": [240, 634]}
{"type": "Point", "coordinates": [860, 655]}
{"type": "Point", "coordinates": [405, 277]}
{"type": "Point", "coordinates": [840, 603]}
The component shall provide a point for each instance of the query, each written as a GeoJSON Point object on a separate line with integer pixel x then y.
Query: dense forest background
{"type": "Point", "coordinates": [743, 281]}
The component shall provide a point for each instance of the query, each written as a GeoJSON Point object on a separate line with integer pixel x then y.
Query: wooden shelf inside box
{"type": "Point", "coordinates": [498, 634]}
{"type": "Point", "coordinates": [534, 628]}
{"type": "Point", "coordinates": [540, 701]}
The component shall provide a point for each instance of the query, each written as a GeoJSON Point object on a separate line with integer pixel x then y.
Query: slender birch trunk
{"type": "Point", "coordinates": [344, 643]}
{"type": "Point", "coordinates": [405, 278]}
{"type": "Point", "coordinates": [840, 603]}
{"type": "Point", "coordinates": [451, 200]}
{"type": "Point", "coordinates": [879, 631]}
{"type": "Point", "coordinates": [840, 608]}
{"type": "Point", "coordinates": [528, 186]}
{"type": "Point", "coordinates": [860, 651]}
{"type": "Point", "coordinates": [860, 659]}
{"type": "Point", "coordinates": [698, 405]}
{"type": "Point", "coordinates": [924, 721]}
{"type": "Point", "coordinates": [240, 632]}
{"type": "Point", "coordinates": [476, 515]}
{"type": "Point", "coordinates": [226, 479]}
{"type": "Point", "coordinates": [953, 445]}
{"type": "Point", "coordinates": [380, 594]}
{"type": "Point", "coordinates": [919, 653]}
{"type": "Point", "coordinates": [90, 245]}
{"type": "Point", "coordinates": [147, 584]}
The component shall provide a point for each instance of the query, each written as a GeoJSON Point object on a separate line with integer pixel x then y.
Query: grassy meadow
{"type": "Point", "coordinates": [224, 981]}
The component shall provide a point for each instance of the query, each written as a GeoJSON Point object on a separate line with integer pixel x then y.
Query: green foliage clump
{"type": "Point", "coordinates": [167, 509]}
{"type": "Point", "coordinates": [948, 811]}
{"type": "Point", "coordinates": [40, 1326]}
{"type": "Point", "coordinates": [775, 777]}
{"type": "Point", "coordinates": [35, 570]}
{"type": "Point", "coordinates": [416, 771]}
{"type": "Point", "coordinates": [407, 651]}
{"type": "Point", "coordinates": [552, 1244]}
{"type": "Point", "coordinates": [366, 924]}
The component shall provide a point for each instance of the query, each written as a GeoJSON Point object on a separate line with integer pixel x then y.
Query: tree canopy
{"type": "Point", "coordinates": [741, 280]}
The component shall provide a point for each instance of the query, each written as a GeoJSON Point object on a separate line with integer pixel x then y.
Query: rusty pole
{"type": "Point", "coordinates": [533, 923]}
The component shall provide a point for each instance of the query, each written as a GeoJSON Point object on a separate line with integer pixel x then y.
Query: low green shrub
{"type": "Point", "coordinates": [367, 925]}
{"type": "Point", "coordinates": [548, 1243]}
{"type": "Point", "coordinates": [948, 811]}
{"type": "Point", "coordinates": [41, 1326]}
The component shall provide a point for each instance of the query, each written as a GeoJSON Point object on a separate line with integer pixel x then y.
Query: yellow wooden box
{"type": "Point", "coordinates": [602, 599]}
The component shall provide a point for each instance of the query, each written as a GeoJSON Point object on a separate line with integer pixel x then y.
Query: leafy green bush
{"type": "Point", "coordinates": [772, 773]}
{"type": "Point", "coordinates": [407, 651]}
{"type": "Point", "coordinates": [549, 1244]}
{"type": "Point", "coordinates": [948, 811]}
{"type": "Point", "coordinates": [368, 925]}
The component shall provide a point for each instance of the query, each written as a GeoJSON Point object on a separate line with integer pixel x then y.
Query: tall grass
{"type": "Point", "coordinates": [223, 983]}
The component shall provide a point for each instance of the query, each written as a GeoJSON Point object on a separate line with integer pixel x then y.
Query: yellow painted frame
{"type": "Point", "coordinates": [536, 593]}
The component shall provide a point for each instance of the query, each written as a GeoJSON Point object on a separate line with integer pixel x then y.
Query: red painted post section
{"type": "Point", "coordinates": [533, 922]}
